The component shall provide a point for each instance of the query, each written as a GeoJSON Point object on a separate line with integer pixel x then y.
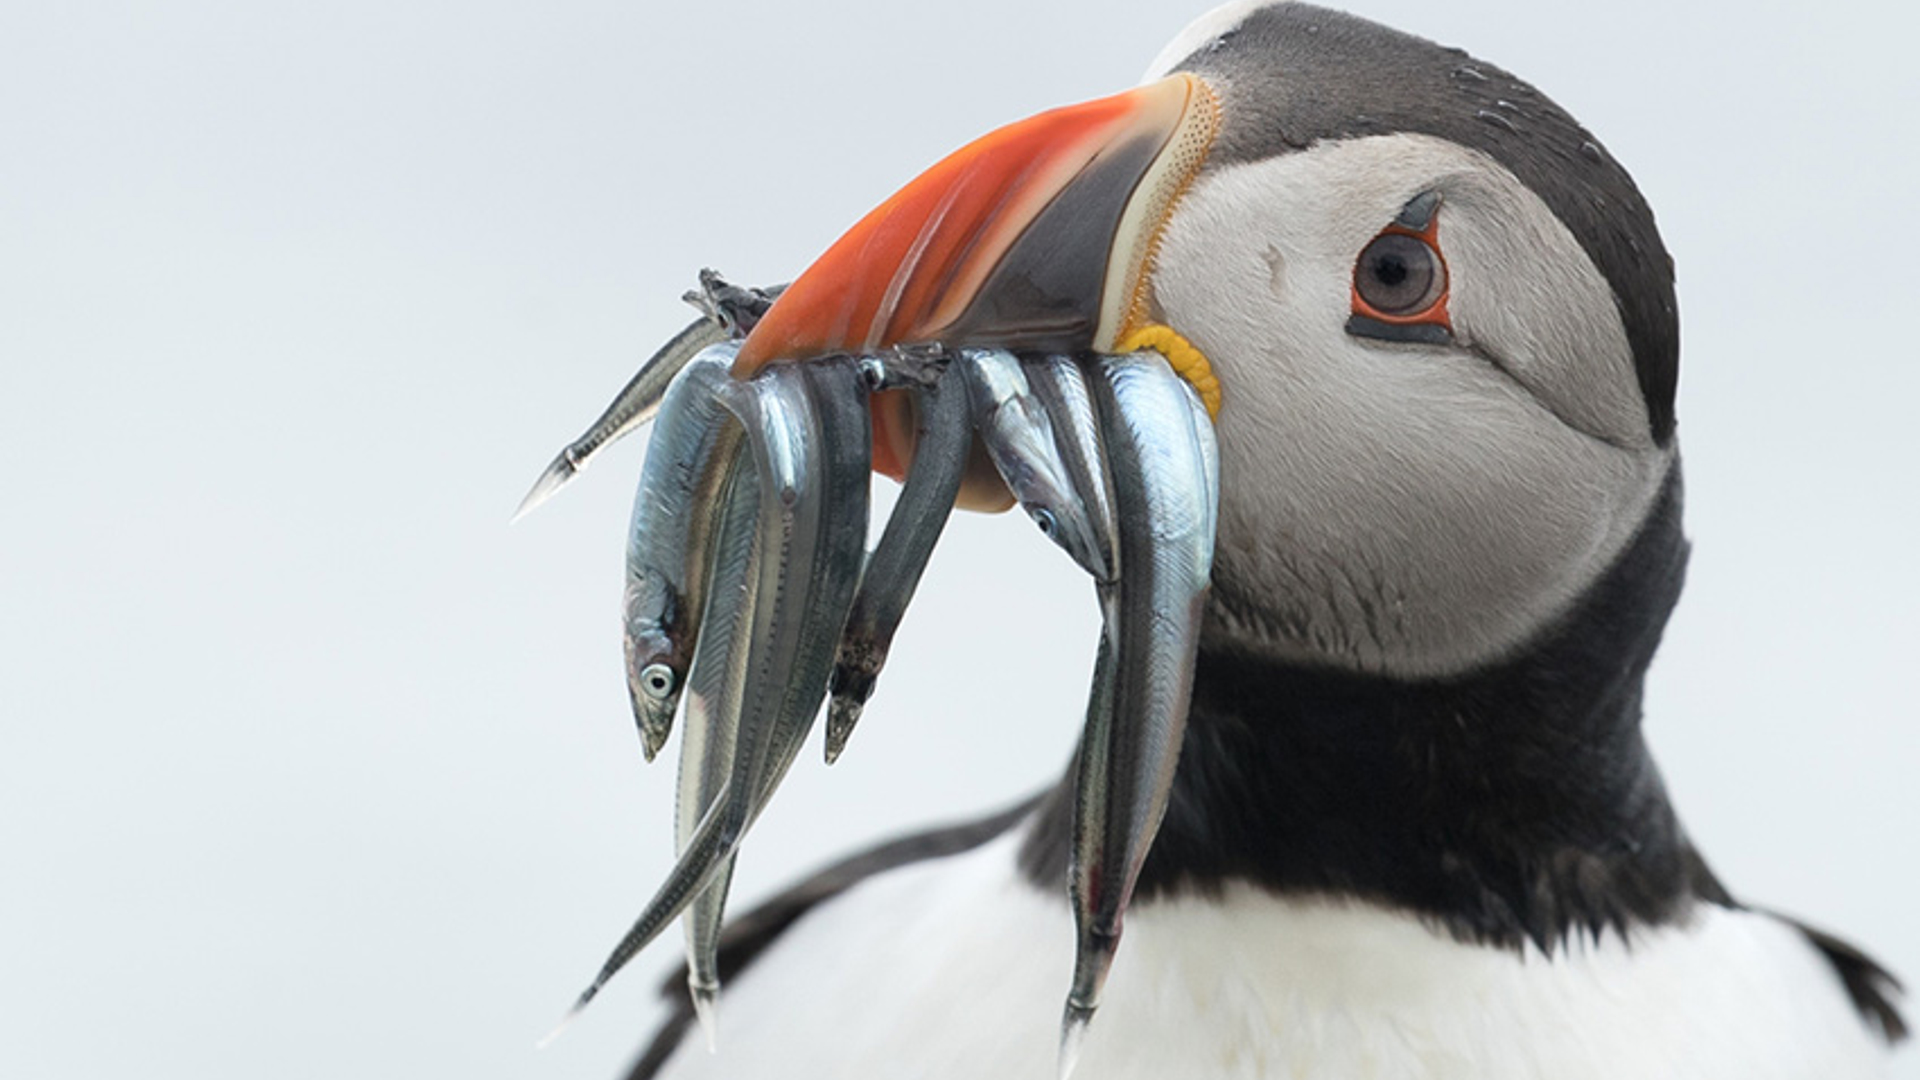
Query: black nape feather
{"type": "Point", "coordinates": [1515, 804]}
{"type": "Point", "coordinates": [1872, 987]}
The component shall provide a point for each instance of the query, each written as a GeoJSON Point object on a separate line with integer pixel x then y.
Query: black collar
{"type": "Point", "coordinates": [1517, 803]}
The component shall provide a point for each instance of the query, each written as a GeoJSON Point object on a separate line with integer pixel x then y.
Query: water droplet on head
{"type": "Point", "coordinates": [1495, 119]}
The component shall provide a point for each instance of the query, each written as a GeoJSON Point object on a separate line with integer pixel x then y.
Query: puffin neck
{"type": "Point", "coordinates": [1511, 805]}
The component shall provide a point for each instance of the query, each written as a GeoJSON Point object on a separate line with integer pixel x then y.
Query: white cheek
{"type": "Point", "coordinates": [1544, 295]}
{"type": "Point", "coordinates": [1397, 508]}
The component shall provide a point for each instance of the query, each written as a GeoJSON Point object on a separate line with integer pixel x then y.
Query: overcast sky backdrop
{"type": "Point", "coordinates": [313, 767]}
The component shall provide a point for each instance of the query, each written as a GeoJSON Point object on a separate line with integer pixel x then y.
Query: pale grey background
{"type": "Point", "coordinates": [312, 767]}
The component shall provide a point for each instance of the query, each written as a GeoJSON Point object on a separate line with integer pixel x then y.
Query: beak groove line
{"type": "Point", "coordinates": [1040, 236]}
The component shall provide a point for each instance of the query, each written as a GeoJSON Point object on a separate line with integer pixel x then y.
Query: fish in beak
{"type": "Point", "coordinates": [995, 323]}
{"type": "Point", "coordinates": [1038, 237]}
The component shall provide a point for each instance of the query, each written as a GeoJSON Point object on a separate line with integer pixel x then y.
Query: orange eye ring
{"type": "Point", "coordinates": [1425, 318]}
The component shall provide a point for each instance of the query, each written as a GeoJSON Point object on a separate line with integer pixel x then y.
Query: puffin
{"type": "Point", "coordinates": [1415, 830]}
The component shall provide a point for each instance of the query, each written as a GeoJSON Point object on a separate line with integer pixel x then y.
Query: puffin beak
{"type": "Point", "coordinates": [1038, 237]}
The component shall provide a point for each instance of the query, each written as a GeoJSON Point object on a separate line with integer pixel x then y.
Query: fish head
{"type": "Point", "coordinates": [658, 650]}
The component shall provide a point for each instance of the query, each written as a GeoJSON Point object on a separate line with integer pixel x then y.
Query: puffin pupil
{"type": "Point", "coordinates": [1399, 274]}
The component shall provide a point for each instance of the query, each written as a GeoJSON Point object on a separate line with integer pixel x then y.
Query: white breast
{"type": "Point", "coordinates": [955, 968]}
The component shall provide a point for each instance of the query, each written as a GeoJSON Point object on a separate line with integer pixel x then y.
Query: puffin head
{"type": "Point", "coordinates": [1431, 315]}
{"type": "Point", "coordinates": [1444, 327]}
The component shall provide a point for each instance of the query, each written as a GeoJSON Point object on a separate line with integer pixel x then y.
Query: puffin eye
{"type": "Point", "coordinates": [1400, 280]}
{"type": "Point", "coordinates": [1399, 275]}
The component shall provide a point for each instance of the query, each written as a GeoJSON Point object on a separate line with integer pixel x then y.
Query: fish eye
{"type": "Point", "coordinates": [1045, 519]}
{"type": "Point", "coordinates": [657, 680]}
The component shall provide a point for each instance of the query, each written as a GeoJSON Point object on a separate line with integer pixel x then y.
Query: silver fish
{"type": "Point", "coordinates": [728, 311]}
{"type": "Point", "coordinates": [713, 701]}
{"type": "Point", "coordinates": [1163, 462]}
{"type": "Point", "coordinates": [635, 404]}
{"type": "Point", "coordinates": [737, 308]}
{"type": "Point", "coordinates": [1018, 437]}
{"type": "Point", "coordinates": [825, 548]}
{"type": "Point", "coordinates": [1060, 386]}
{"type": "Point", "coordinates": [691, 451]}
{"type": "Point", "coordinates": [839, 554]}
{"type": "Point", "coordinates": [807, 431]}
{"type": "Point", "coordinates": [893, 570]}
